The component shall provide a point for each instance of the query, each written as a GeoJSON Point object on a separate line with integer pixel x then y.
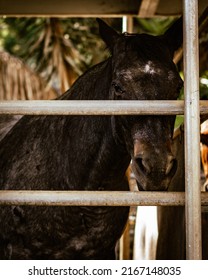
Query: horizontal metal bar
{"type": "Point", "coordinates": [90, 107]}
{"type": "Point", "coordinates": [94, 198]}
{"type": "Point", "coordinates": [96, 107]}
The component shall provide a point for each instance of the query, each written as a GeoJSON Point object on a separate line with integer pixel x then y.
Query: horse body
{"type": "Point", "coordinates": [90, 153]}
{"type": "Point", "coordinates": [44, 165]}
{"type": "Point", "coordinates": [6, 124]}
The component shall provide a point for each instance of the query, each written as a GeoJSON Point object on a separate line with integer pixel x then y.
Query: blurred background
{"type": "Point", "coordinates": [40, 58]}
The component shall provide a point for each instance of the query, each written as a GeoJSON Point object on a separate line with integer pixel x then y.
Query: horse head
{"type": "Point", "coordinates": [143, 69]}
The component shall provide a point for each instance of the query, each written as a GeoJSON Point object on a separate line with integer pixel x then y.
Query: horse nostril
{"type": "Point", "coordinates": [142, 165]}
{"type": "Point", "coordinates": [171, 167]}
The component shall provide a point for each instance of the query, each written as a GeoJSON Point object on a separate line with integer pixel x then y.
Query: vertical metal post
{"type": "Point", "coordinates": [192, 129]}
{"type": "Point", "coordinates": [127, 24]}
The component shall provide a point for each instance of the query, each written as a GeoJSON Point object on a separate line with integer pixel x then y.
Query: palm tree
{"type": "Point", "coordinates": [58, 49]}
{"type": "Point", "coordinates": [56, 57]}
{"type": "Point", "coordinates": [18, 81]}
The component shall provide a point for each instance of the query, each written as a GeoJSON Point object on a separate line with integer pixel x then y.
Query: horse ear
{"type": "Point", "coordinates": [174, 35]}
{"type": "Point", "coordinates": [107, 33]}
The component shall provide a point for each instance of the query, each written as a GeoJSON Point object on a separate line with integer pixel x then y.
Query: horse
{"type": "Point", "coordinates": [91, 152]}
{"type": "Point", "coordinates": [6, 124]}
{"type": "Point", "coordinates": [161, 235]}
{"type": "Point", "coordinates": [160, 232]}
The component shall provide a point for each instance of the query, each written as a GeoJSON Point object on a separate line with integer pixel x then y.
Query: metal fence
{"type": "Point", "coordinates": [190, 107]}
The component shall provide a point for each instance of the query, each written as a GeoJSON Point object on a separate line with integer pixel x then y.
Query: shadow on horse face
{"type": "Point", "coordinates": [153, 162]}
{"type": "Point", "coordinates": [149, 141]}
{"type": "Point", "coordinates": [143, 70]}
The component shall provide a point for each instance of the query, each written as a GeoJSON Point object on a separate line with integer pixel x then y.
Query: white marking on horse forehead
{"type": "Point", "coordinates": [151, 68]}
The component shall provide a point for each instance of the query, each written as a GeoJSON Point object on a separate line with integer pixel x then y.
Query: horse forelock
{"type": "Point", "coordinates": [143, 48]}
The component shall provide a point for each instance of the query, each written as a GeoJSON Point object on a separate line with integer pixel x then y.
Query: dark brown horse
{"type": "Point", "coordinates": [91, 152]}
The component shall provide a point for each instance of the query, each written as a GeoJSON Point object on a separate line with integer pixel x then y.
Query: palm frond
{"type": "Point", "coordinates": [57, 60]}
{"type": "Point", "coordinates": [18, 81]}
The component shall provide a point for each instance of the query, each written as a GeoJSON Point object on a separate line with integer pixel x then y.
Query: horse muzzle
{"type": "Point", "coordinates": [153, 169]}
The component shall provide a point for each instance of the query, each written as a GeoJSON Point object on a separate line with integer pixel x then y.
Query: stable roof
{"type": "Point", "coordinates": [94, 8]}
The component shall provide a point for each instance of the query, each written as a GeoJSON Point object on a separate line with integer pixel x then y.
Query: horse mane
{"type": "Point", "coordinates": [92, 85]}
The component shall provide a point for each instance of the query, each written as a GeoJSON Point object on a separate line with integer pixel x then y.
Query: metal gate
{"type": "Point", "coordinates": [191, 107]}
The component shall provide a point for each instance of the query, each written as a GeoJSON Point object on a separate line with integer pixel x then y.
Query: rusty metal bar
{"type": "Point", "coordinates": [95, 107]}
{"type": "Point", "coordinates": [91, 107]}
{"type": "Point", "coordinates": [94, 198]}
{"type": "Point", "coordinates": [192, 130]}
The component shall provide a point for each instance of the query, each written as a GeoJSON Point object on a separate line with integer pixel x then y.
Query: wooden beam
{"type": "Point", "coordinates": [148, 8]}
{"type": "Point", "coordinates": [69, 8]}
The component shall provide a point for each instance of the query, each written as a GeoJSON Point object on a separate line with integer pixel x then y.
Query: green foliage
{"type": "Point", "coordinates": [154, 26]}
{"type": "Point", "coordinates": [25, 33]}
{"type": "Point", "coordinates": [204, 86]}
{"type": "Point", "coordinates": [58, 49]}
{"type": "Point", "coordinates": [179, 120]}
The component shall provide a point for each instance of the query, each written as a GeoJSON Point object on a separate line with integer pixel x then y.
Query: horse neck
{"type": "Point", "coordinates": [114, 152]}
{"type": "Point", "coordinates": [93, 84]}
{"type": "Point", "coordinates": [103, 150]}
{"type": "Point", "coordinates": [100, 160]}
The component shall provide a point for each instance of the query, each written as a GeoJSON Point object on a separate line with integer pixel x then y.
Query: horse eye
{"type": "Point", "coordinates": [118, 90]}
